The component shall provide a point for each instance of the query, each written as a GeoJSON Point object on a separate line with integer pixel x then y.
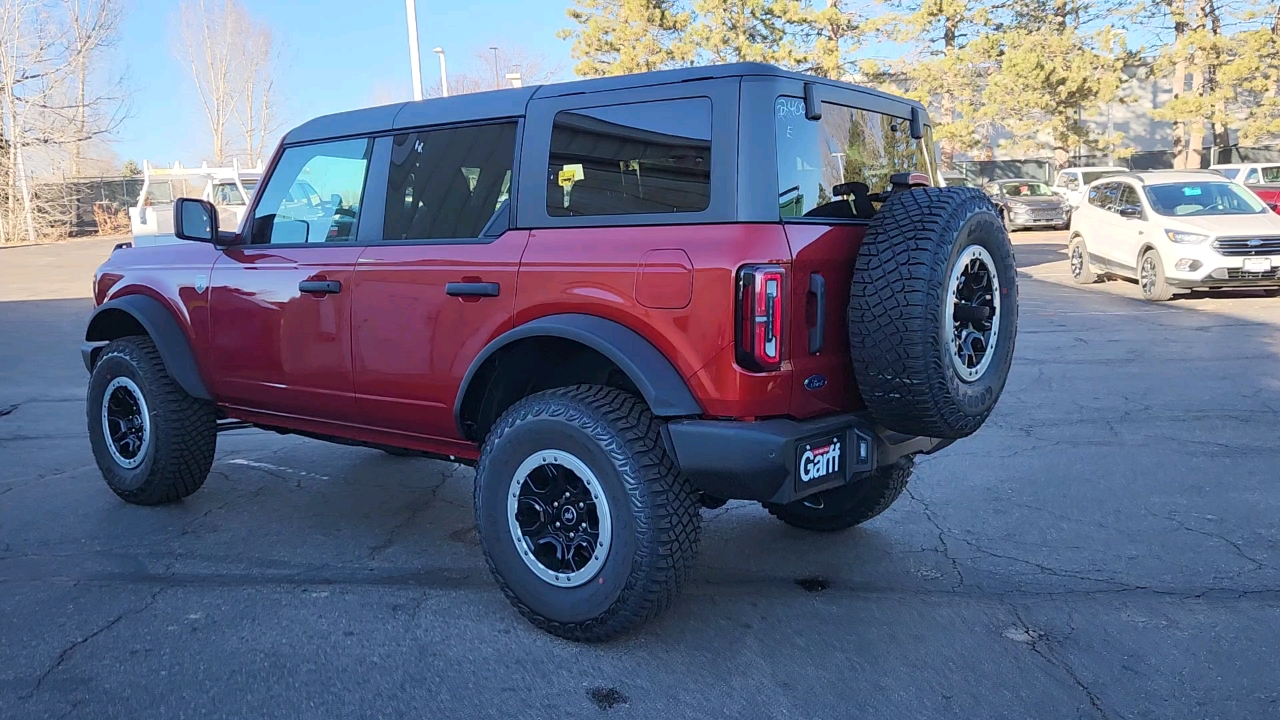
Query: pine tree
{"type": "Point", "coordinates": [617, 37]}
{"type": "Point", "coordinates": [728, 31]}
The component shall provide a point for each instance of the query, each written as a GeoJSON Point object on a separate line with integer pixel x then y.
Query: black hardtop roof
{"type": "Point", "coordinates": [513, 102]}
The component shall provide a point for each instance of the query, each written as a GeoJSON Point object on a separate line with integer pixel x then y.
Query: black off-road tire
{"type": "Point", "coordinates": [654, 510]}
{"type": "Point", "coordinates": [1156, 288]}
{"type": "Point", "coordinates": [1081, 271]}
{"type": "Point", "coordinates": [183, 430]}
{"type": "Point", "coordinates": [850, 505]}
{"type": "Point", "coordinates": [901, 323]}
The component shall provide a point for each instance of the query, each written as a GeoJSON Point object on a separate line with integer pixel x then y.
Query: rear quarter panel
{"type": "Point", "coordinates": [594, 271]}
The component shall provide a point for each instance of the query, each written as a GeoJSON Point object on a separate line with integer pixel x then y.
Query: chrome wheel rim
{"type": "Point", "coordinates": [1077, 261]}
{"type": "Point", "coordinates": [974, 312]}
{"type": "Point", "coordinates": [126, 422]}
{"type": "Point", "coordinates": [559, 518]}
{"type": "Point", "coordinates": [1148, 275]}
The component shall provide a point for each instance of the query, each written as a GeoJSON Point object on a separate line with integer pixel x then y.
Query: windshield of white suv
{"type": "Point", "coordinates": [1270, 174]}
{"type": "Point", "coordinates": [1026, 189]}
{"type": "Point", "coordinates": [1203, 198]}
{"type": "Point", "coordinates": [1098, 175]}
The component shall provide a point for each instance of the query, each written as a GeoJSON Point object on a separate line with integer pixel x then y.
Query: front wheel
{"type": "Point", "coordinates": [152, 441]}
{"type": "Point", "coordinates": [849, 505]}
{"type": "Point", "coordinates": [1151, 278]}
{"type": "Point", "coordinates": [585, 520]}
{"type": "Point", "coordinates": [1081, 271]}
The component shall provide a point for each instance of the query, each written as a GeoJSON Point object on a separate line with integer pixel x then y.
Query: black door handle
{"type": "Point", "coordinates": [471, 289]}
{"type": "Point", "coordinates": [320, 287]}
{"type": "Point", "coordinates": [818, 288]}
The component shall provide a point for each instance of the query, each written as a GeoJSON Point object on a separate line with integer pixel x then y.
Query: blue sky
{"type": "Point", "coordinates": [337, 56]}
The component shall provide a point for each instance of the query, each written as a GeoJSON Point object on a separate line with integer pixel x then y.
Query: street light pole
{"type": "Point", "coordinates": [497, 81]}
{"type": "Point", "coordinates": [444, 75]}
{"type": "Point", "coordinates": [415, 62]}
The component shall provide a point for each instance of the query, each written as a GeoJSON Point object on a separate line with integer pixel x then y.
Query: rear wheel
{"type": "Point", "coordinates": [585, 520]}
{"type": "Point", "coordinates": [1151, 278]}
{"type": "Point", "coordinates": [933, 312]}
{"type": "Point", "coordinates": [1078, 254]}
{"type": "Point", "coordinates": [850, 505]}
{"type": "Point", "coordinates": [152, 441]}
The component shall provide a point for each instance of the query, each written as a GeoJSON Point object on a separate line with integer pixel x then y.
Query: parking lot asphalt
{"type": "Point", "coordinates": [1107, 546]}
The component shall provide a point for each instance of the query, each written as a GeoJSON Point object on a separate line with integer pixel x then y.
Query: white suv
{"type": "Point", "coordinates": [1189, 229]}
{"type": "Point", "coordinates": [1071, 183]}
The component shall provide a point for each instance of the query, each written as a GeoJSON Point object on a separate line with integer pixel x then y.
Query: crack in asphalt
{"type": "Point", "coordinates": [1038, 644]}
{"type": "Point", "coordinates": [415, 510]}
{"type": "Point", "coordinates": [1172, 517]}
{"type": "Point", "coordinates": [942, 538]}
{"type": "Point", "coordinates": [62, 656]}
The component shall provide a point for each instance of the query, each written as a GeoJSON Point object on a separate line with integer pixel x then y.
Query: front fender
{"type": "Point", "coordinates": [111, 321]}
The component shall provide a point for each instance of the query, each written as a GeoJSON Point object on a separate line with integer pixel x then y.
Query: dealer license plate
{"type": "Point", "coordinates": [820, 461]}
{"type": "Point", "coordinates": [1257, 264]}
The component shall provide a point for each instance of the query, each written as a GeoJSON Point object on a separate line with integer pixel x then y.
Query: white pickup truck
{"type": "Point", "coordinates": [228, 188]}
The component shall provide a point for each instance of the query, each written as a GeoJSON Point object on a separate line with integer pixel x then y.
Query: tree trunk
{"type": "Point", "coordinates": [28, 214]}
{"type": "Point", "coordinates": [1179, 131]}
{"type": "Point", "coordinates": [1195, 143]}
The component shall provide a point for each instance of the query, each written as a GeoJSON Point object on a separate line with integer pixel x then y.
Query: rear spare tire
{"type": "Point", "coordinates": [933, 312]}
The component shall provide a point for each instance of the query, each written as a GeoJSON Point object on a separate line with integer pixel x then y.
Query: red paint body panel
{"type": "Point", "coordinates": [593, 271]}
{"type": "Point", "coordinates": [273, 348]}
{"type": "Point", "coordinates": [169, 274]}
{"type": "Point", "coordinates": [1266, 193]}
{"type": "Point", "coordinates": [665, 280]}
{"type": "Point", "coordinates": [412, 342]}
{"type": "Point", "coordinates": [828, 251]}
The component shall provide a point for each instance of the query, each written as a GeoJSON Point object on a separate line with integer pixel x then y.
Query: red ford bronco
{"type": "Point", "coordinates": [621, 299]}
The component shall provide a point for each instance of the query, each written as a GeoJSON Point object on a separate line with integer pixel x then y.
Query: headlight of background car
{"type": "Point", "coordinates": [1185, 238]}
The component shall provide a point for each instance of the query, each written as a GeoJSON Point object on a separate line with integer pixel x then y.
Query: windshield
{"type": "Point", "coordinates": [1270, 174]}
{"type": "Point", "coordinates": [1098, 175]}
{"type": "Point", "coordinates": [1203, 198]}
{"type": "Point", "coordinates": [1026, 189]}
{"type": "Point", "coordinates": [250, 186]}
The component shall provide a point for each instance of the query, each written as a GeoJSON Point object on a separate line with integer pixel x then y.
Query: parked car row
{"type": "Point", "coordinates": [1176, 230]}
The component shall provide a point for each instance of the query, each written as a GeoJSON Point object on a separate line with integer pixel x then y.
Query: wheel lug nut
{"type": "Point", "coordinates": [557, 524]}
{"type": "Point", "coordinates": [581, 506]}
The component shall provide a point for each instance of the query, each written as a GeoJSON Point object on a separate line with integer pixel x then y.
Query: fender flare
{"type": "Point", "coordinates": [653, 374]}
{"type": "Point", "coordinates": [166, 333]}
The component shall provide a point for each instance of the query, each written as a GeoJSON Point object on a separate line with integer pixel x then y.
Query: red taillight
{"type": "Point", "coordinates": [760, 300]}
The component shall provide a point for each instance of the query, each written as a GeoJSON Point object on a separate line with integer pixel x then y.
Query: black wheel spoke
{"type": "Point", "coordinates": [557, 519]}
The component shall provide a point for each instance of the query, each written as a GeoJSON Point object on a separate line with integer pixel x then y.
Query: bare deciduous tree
{"type": "Point", "coordinates": [49, 103]}
{"type": "Point", "coordinates": [230, 58]}
{"type": "Point", "coordinates": [534, 69]}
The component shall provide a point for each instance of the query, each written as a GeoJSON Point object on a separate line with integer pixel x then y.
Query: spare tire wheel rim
{"type": "Point", "coordinates": [559, 518]}
{"type": "Point", "coordinates": [974, 312]}
{"type": "Point", "coordinates": [126, 423]}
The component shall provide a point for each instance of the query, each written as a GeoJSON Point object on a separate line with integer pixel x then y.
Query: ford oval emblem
{"type": "Point", "coordinates": [815, 382]}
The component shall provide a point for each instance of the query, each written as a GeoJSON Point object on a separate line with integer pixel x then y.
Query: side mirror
{"type": "Point", "coordinates": [336, 199]}
{"type": "Point", "coordinates": [1131, 211]}
{"type": "Point", "coordinates": [1275, 207]}
{"type": "Point", "coordinates": [195, 220]}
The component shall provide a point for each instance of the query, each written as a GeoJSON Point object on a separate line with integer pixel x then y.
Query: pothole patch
{"type": "Point", "coordinates": [607, 698]}
{"type": "Point", "coordinates": [814, 584]}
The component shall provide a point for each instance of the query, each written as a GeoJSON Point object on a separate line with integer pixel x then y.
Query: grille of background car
{"type": "Point", "coordinates": [1247, 246]}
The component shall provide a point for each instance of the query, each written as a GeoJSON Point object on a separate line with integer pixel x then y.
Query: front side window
{"type": "Point", "coordinates": [1203, 198]}
{"type": "Point", "coordinates": [1069, 181]}
{"type": "Point", "coordinates": [1103, 195]}
{"type": "Point", "coordinates": [447, 184]}
{"type": "Point", "coordinates": [856, 149]}
{"type": "Point", "coordinates": [314, 195]}
{"type": "Point", "coordinates": [641, 158]}
{"type": "Point", "coordinates": [1252, 177]}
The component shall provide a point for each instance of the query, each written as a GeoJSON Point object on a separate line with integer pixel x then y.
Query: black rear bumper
{"type": "Point", "coordinates": [740, 460]}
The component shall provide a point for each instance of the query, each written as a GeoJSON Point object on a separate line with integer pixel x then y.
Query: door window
{"type": "Point", "coordinates": [1230, 173]}
{"type": "Point", "coordinates": [1104, 195]}
{"type": "Point", "coordinates": [1069, 181]}
{"type": "Point", "coordinates": [448, 184]}
{"type": "Point", "coordinates": [641, 158]}
{"type": "Point", "coordinates": [1127, 197]}
{"type": "Point", "coordinates": [855, 148]}
{"type": "Point", "coordinates": [314, 195]}
{"type": "Point", "coordinates": [1252, 177]}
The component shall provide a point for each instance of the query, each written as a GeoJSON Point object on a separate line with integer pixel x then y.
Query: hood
{"type": "Point", "coordinates": [1040, 202]}
{"type": "Point", "coordinates": [1267, 223]}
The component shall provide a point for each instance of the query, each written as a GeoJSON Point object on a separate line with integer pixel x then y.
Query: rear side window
{"type": "Point", "coordinates": [1230, 173]}
{"type": "Point", "coordinates": [633, 159]}
{"type": "Point", "coordinates": [447, 184]}
{"type": "Point", "coordinates": [847, 146]}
